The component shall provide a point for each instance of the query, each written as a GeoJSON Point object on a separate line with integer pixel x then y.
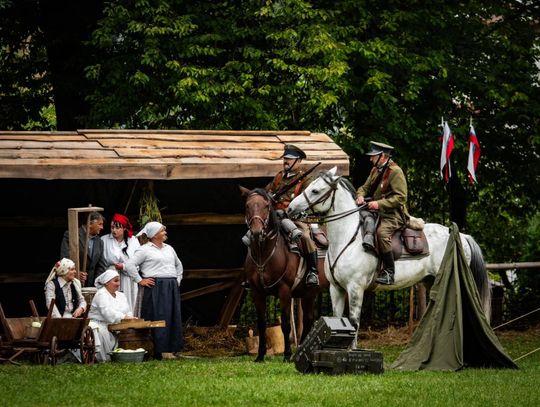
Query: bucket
{"type": "Point", "coordinates": [135, 339]}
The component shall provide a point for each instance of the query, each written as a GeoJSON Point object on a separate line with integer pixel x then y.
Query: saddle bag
{"type": "Point", "coordinates": [412, 240]}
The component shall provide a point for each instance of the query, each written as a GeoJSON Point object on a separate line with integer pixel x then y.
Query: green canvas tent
{"type": "Point", "coordinates": [454, 332]}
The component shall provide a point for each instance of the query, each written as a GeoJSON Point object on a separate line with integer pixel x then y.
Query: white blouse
{"type": "Point", "coordinates": [108, 309]}
{"type": "Point", "coordinates": [50, 293]}
{"type": "Point", "coordinates": [112, 249]}
{"type": "Point", "coordinates": [154, 261]}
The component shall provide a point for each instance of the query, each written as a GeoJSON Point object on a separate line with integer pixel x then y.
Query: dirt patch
{"type": "Point", "coordinates": [390, 336]}
{"type": "Point", "coordinates": [213, 342]}
{"type": "Point", "coordinates": [216, 342]}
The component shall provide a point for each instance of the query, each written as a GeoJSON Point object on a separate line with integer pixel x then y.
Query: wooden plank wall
{"type": "Point", "coordinates": [163, 154]}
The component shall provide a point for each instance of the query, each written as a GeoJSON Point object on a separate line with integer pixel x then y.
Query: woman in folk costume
{"type": "Point", "coordinates": [109, 306]}
{"type": "Point", "coordinates": [161, 271]}
{"type": "Point", "coordinates": [62, 286]}
{"type": "Point", "coordinates": [118, 247]}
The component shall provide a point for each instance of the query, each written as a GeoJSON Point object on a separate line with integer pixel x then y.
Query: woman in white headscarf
{"type": "Point", "coordinates": [65, 289]}
{"type": "Point", "coordinates": [161, 272]}
{"type": "Point", "coordinates": [109, 306]}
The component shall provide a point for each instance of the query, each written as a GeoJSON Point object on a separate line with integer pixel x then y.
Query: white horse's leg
{"type": "Point", "coordinates": [356, 297]}
{"type": "Point", "coordinates": [337, 295]}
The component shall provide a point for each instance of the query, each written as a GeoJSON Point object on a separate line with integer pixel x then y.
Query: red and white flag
{"type": "Point", "coordinates": [446, 150]}
{"type": "Point", "coordinates": [474, 155]}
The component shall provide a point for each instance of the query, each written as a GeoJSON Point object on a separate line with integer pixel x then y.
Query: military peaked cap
{"type": "Point", "coordinates": [377, 148]}
{"type": "Point", "coordinates": [291, 151]}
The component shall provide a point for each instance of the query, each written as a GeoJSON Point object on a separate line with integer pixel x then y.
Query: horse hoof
{"type": "Point", "coordinates": [259, 359]}
{"type": "Point", "coordinates": [287, 358]}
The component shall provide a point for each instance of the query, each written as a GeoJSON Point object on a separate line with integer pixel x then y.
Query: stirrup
{"type": "Point", "coordinates": [245, 285]}
{"type": "Point", "coordinates": [386, 279]}
{"type": "Point", "coordinates": [312, 280]}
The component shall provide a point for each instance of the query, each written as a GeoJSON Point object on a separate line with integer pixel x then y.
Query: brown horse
{"type": "Point", "coordinates": [271, 270]}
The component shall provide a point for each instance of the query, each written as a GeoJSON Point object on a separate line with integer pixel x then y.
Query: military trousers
{"type": "Point", "coordinates": [385, 231]}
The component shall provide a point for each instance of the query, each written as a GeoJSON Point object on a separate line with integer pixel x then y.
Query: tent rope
{"type": "Point", "coordinates": [523, 316]}
{"type": "Point", "coordinates": [527, 354]}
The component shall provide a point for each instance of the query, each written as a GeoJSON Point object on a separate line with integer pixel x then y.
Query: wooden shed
{"type": "Point", "coordinates": [193, 174]}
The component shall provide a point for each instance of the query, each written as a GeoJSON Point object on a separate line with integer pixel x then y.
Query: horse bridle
{"type": "Point", "coordinates": [261, 265]}
{"type": "Point", "coordinates": [331, 192]}
{"type": "Point", "coordinates": [257, 217]}
{"type": "Point", "coordinates": [333, 188]}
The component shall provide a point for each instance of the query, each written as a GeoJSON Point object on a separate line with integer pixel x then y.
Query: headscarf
{"type": "Point", "coordinates": [150, 229]}
{"type": "Point", "coordinates": [60, 269]}
{"type": "Point", "coordinates": [104, 278]}
{"type": "Point", "coordinates": [124, 221]}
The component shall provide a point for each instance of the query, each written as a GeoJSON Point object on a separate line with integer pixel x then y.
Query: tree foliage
{"type": "Point", "coordinates": [356, 69]}
{"type": "Point", "coordinates": [25, 91]}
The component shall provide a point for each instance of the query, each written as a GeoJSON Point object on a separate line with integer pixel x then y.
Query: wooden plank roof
{"type": "Point", "coordinates": [159, 154]}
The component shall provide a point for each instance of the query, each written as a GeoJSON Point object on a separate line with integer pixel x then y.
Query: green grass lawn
{"type": "Point", "coordinates": [239, 381]}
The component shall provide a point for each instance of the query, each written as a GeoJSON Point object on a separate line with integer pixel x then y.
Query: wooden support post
{"type": "Point", "coordinates": [411, 309]}
{"type": "Point", "coordinates": [73, 230]}
{"type": "Point", "coordinates": [422, 300]}
{"type": "Point", "coordinates": [230, 306]}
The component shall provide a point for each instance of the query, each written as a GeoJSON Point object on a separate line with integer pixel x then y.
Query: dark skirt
{"type": "Point", "coordinates": [162, 302]}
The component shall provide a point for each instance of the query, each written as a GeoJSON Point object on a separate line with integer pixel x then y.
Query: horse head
{"type": "Point", "coordinates": [258, 212]}
{"type": "Point", "coordinates": [318, 197]}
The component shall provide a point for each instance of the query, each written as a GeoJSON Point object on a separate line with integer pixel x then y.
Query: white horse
{"type": "Point", "coordinates": [351, 270]}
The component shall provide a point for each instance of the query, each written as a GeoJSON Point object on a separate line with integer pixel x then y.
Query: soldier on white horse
{"type": "Point", "coordinates": [385, 192]}
{"type": "Point", "coordinates": [351, 269]}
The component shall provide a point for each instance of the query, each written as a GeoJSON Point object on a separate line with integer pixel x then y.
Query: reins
{"type": "Point", "coordinates": [261, 265]}
{"type": "Point", "coordinates": [331, 218]}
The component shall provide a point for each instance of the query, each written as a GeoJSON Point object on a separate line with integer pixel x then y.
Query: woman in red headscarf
{"type": "Point", "coordinates": [118, 247]}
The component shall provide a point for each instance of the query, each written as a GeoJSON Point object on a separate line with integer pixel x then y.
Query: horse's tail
{"type": "Point", "coordinates": [480, 275]}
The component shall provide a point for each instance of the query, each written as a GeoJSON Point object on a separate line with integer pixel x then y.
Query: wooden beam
{"type": "Point", "coordinates": [212, 273]}
{"type": "Point", "coordinates": [191, 274]}
{"type": "Point", "coordinates": [232, 302]}
{"type": "Point", "coordinates": [170, 220]}
{"type": "Point", "coordinates": [206, 290]}
{"type": "Point", "coordinates": [512, 266]}
{"type": "Point", "coordinates": [204, 219]}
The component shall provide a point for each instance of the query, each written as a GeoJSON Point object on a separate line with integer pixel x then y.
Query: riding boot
{"type": "Point", "coordinates": [312, 278]}
{"type": "Point", "coordinates": [369, 232]}
{"type": "Point", "coordinates": [369, 242]}
{"type": "Point", "coordinates": [387, 275]}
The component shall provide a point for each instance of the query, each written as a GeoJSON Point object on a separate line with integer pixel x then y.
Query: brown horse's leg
{"type": "Point", "coordinates": [285, 303]}
{"type": "Point", "coordinates": [260, 306]}
{"type": "Point", "coordinates": [308, 312]}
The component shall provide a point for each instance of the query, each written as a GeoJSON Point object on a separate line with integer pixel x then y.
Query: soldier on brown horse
{"type": "Point", "coordinates": [273, 269]}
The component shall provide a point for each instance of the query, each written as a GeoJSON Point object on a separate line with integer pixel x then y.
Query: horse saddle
{"type": "Point", "coordinates": [409, 243]}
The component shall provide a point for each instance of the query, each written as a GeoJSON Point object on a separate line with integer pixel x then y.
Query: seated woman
{"type": "Point", "coordinates": [66, 291]}
{"type": "Point", "coordinates": [109, 306]}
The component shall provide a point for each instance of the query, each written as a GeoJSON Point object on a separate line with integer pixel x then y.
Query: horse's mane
{"type": "Point", "coordinates": [260, 191]}
{"type": "Point", "coordinates": [348, 186]}
{"type": "Point", "coordinates": [264, 193]}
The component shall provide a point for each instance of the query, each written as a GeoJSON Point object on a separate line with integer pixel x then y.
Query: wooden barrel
{"type": "Point", "coordinates": [137, 338]}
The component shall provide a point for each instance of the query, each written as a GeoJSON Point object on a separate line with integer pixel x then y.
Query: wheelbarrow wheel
{"type": "Point", "coordinates": [88, 346]}
{"type": "Point", "coordinates": [53, 352]}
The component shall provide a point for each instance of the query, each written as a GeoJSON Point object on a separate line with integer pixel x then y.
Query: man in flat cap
{"type": "Point", "coordinates": [292, 157]}
{"type": "Point", "coordinates": [385, 192]}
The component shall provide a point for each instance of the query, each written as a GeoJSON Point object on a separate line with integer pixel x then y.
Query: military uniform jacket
{"type": "Point", "coordinates": [391, 193]}
{"type": "Point", "coordinates": [280, 180]}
